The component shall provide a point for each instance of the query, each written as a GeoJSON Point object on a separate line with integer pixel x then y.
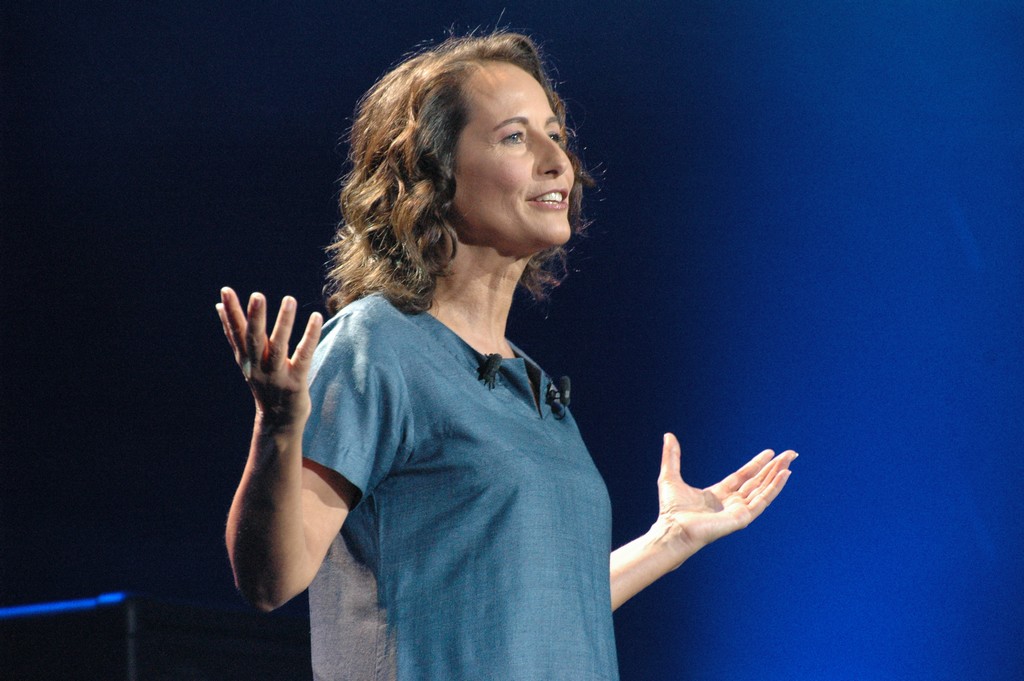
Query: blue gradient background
{"type": "Point", "coordinates": [807, 234]}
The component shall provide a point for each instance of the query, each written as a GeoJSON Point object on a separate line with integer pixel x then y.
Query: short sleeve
{"type": "Point", "coordinates": [360, 417]}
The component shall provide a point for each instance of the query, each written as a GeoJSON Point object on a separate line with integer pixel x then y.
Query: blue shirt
{"type": "Point", "coordinates": [479, 548]}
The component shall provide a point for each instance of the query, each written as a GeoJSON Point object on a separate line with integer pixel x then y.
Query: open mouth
{"type": "Point", "coordinates": [553, 198]}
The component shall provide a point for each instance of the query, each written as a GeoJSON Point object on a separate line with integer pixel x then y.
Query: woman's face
{"type": "Point", "coordinates": [512, 175]}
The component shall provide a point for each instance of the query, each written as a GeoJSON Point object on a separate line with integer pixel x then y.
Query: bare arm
{"type": "Point", "coordinates": [690, 519]}
{"type": "Point", "coordinates": [286, 510]}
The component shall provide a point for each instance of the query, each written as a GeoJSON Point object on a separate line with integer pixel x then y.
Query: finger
{"type": "Point", "coordinates": [749, 470]}
{"type": "Point", "coordinates": [234, 320]}
{"type": "Point", "coordinates": [310, 337]}
{"type": "Point", "coordinates": [752, 486]}
{"type": "Point", "coordinates": [760, 502]}
{"type": "Point", "coordinates": [256, 333]}
{"type": "Point", "coordinates": [223, 316]}
{"type": "Point", "coordinates": [277, 347]}
{"type": "Point", "coordinates": [769, 483]}
{"type": "Point", "coordinates": [670, 456]}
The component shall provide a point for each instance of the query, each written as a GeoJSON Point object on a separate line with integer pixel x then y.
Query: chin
{"type": "Point", "coordinates": [564, 237]}
{"type": "Point", "coordinates": [559, 236]}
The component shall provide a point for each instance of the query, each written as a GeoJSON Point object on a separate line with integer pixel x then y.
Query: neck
{"type": "Point", "coordinates": [474, 302]}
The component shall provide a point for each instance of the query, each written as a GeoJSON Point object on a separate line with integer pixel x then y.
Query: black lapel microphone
{"type": "Point", "coordinates": [488, 371]}
{"type": "Point", "coordinates": [558, 398]}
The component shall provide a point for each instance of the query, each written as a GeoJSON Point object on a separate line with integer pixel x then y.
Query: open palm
{"type": "Point", "coordinates": [277, 381]}
{"type": "Point", "coordinates": [704, 515]}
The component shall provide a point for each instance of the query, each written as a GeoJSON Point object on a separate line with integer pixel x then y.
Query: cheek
{"type": "Point", "coordinates": [485, 186]}
{"type": "Point", "coordinates": [508, 182]}
{"type": "Point", "coordinates": [467, 196]}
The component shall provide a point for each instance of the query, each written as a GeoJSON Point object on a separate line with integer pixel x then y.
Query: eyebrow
{"type": "Point", "coordinates": [524, 121]}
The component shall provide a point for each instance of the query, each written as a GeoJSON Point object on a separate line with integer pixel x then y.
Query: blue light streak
{"type": "Point", "coordinates": [32, 610]}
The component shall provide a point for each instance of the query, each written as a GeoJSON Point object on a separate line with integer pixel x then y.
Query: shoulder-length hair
{"type": "Point", "coordinates": [396, 235]}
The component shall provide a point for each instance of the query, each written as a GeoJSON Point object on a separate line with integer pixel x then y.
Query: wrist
{"type": "Point", "coordinates": [276, 425]}
{"type": "Point", "coordinates": [669, 539]}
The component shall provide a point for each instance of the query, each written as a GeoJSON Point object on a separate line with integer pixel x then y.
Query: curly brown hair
{"type": "Point", "coordinates": [396, 236]}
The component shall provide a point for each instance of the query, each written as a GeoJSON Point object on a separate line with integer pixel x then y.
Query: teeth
{"type": "Point", "coordinates": [550, 196]}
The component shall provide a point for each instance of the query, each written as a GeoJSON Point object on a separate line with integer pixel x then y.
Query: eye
{"type": "Point", "coordinates": [514, 138]}
{"type": "Point", "coordinates": [558, 138]}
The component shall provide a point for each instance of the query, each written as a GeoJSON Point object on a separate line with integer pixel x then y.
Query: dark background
{"type": "Point", "coordinates": [807, 234]}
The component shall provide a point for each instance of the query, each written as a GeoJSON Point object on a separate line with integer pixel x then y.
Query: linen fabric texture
{"type": "Point", "coordinates": [479, 546]}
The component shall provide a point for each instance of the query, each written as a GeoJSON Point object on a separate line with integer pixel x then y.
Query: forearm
{"type": "Point", "coordinates": [265, 530]}
{"type": "Point", "coordinates": [643, 561]}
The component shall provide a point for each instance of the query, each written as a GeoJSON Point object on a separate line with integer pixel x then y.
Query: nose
{"type": "Point", "coordinates": [552, 159]}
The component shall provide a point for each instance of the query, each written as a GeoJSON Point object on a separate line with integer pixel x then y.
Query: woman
{"type": "Point", "coordinates": [430, 488]}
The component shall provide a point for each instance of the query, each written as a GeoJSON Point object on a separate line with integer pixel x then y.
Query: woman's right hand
{"type": "Point", "coordinates": [277, 381]}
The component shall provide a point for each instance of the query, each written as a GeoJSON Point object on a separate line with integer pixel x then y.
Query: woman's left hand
{"type": "Point", "coordinates": [690, 518]}
{"type": "Point", "coordinates": [698, 517]}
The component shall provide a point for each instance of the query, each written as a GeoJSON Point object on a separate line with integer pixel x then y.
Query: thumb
{"type": "Point", "coordinates": [670, 455]}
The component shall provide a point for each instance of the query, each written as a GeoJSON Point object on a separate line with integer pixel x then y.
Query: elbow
{"type": "Point", "coordinates": [265, 605]}
{"type": "Point", "coordinates": [257, 584]}
{"type": "Point", "coordinates": [262, 597]}
{"type": "Point", "coordinates": [261, 588]}
{"type": "Point", "coordinates": [266, 582]}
